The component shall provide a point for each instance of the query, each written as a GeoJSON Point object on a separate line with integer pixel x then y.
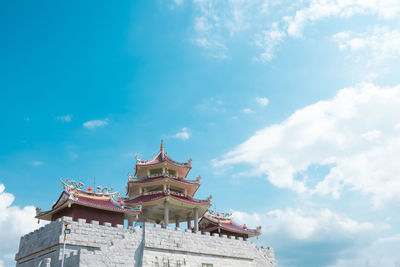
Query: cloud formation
{"type": "Point", "coordinates": [14, 222]}
{"type": "Point", "coordinates": [298, 234]}
{"type": "Point", "coordinates": [354, 135]}
{"type": "Point", "coordinates": [381, 43]}
{"type": "Point", "coordinates": [263, 101]}
{"type": "Point", "coordinates": [266, 24]}
{"type": "Point", "coordinates": [95, 123]}
{"type": "Point", "coordinates": [37, 163]}
{"type": "Point", "coordinates": [183, 134]}
{"type": "Point", "coordinates": [65, 118]}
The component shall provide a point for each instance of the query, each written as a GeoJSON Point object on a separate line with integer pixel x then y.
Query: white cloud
{"type": "Point", "coordinates": [263, 101]}
{"type": "Point", "coordinates": [331, 133]}
{"type": "Point", "coordinates": [65, 118]}
{"type": "Point", "coordinates": [247, 111]}
{"type": "Point", "coordinates": [372, 135]}
{"type": "Point", "coordinates": [389, 239]}
{"type": "Point", "coordinates": [183, 134]}
{"type": "Point", "coordinates": [298, 224]}
{"type": "Point", "coordinates": [268, 23]}
{"type": "Point", "coordinates": [95, 123]}
{"type": "Point", "coordinates": [14, 222]}
{"type": "Point", "coordinates": [218, 21]}
{"type": "Point", "coordinates": [320, 9]}
{"type": "Point", "coordinates": [268, 40]}
{"type": "Point", "coordinates": [179, 2]}
{"type": "Point", "coordinates": [379, 44]}
{"type": "Point", "coordinates": [298, 235]}
{"type": "Point", "coordinates": [37, 163]}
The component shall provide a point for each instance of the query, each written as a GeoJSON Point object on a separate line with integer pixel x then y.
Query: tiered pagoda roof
{"type": "Point", "coordinates": [222, 223]}
{"type": "Point", "coordinates": [190, 185]}
{"type": "Point", "coordinates": [163, 180]}
{"type": "Point", "coordinates": [162, 158]}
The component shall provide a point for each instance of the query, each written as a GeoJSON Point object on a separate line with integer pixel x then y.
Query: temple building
{"type": "Point", "coordinates": [164, 193]}
{"type": "Point", "coordinates": [222, 224]}
{"type": "Point", "coordinates": [94, 226]}
{"type": "Point", "coordinates": [78, 203]}
{"type": "Point", "coordinates": [159, 193]}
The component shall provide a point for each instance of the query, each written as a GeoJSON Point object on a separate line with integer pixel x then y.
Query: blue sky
{"type": "Point", "coordinates": [289, 111]}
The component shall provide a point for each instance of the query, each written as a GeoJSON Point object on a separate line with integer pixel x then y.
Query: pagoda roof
{"type": "Point", "coordinates": [101, 201]}
{"type": "Point", "coordinates": [193, 185]}
{"type": "Point", "coordinates": [162, 157]}
{"type": "Point", "coordinates": [226, 224]}
{"type": "Point", "coordinates": [153, 196]}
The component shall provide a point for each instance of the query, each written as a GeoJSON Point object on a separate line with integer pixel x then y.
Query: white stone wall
{"type": "Point", "coordinates": [91, 244]}
{"type": "Point", "coordinates": [175, 248]}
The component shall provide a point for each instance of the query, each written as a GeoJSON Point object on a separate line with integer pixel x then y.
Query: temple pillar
{"type": "Point", "coordinates": [166, 214]}
{"type": "Point", "coordinates": [189, 224]}
{"type": "Point", "coordinates": [140, 190]}
{"type": "Point", "coordinates": [144, 215]}
{"type": "Point", "coordinates": [164, 187]}
{"type": "Point", "coordinates": [130, 222]}
{"type": "Point", "coordinates": [196, 219]}
{"type": "Point", "coordinates": [185, 191]}
{"type": "Point", "coordinates": [177, 221]}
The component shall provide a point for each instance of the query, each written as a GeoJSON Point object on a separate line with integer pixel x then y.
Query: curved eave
{"type": "Point", "coordinates": [156, 197]}
{"type": "Point", "coordinates": [154, 180]}
{"type": "Point", "coordinates": [150, 179]}
{"type": "Point", "coordinates": [47, 215]}
{"type": "Point", "coordinates": [230, 227]}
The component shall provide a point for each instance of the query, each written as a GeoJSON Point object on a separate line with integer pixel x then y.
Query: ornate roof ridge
{"type": "Point", "coordinates": [162, 154]}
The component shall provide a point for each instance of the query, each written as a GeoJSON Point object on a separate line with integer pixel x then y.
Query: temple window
{"type": "Point", "coordinates": [171, 172]}
{"type": "Point", "coordinates": [156, 172]}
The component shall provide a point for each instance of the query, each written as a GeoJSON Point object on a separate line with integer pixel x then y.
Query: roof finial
{"type": "Point", "coordinates": [162, 146]}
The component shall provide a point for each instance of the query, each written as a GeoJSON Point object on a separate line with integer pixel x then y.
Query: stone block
{"type": "Point", "coordinates": [81, 221]}
{"type": "Point", "coordinates": [66, 219]}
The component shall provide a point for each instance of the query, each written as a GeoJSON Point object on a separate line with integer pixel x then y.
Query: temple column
{"type": "Point", "coordinates": [164, 187]}
{"type": "Point", "coordinates": [189, 224]}
{"type": "Point", "coordinates": [144, 215]}
{"type": "Point", "coordinates": [185, 192]}
{"type": "Point", "coordinates": [166, 214]}
{"type": "Point", "coordinates": [130, 222]}
{"type": "Point", "coordinates": [177, 221]}
{"type": "Point", "coordinates": [196, 219]}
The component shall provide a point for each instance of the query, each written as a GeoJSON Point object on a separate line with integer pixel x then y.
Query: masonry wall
{"type": "Point", "coordinates": [92, 244]}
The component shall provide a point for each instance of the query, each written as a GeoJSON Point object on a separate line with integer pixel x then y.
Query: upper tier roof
{"type": "Point", "coordinates": [134, 184]}
{"type": "Point", "coordinates": [160, 158]}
